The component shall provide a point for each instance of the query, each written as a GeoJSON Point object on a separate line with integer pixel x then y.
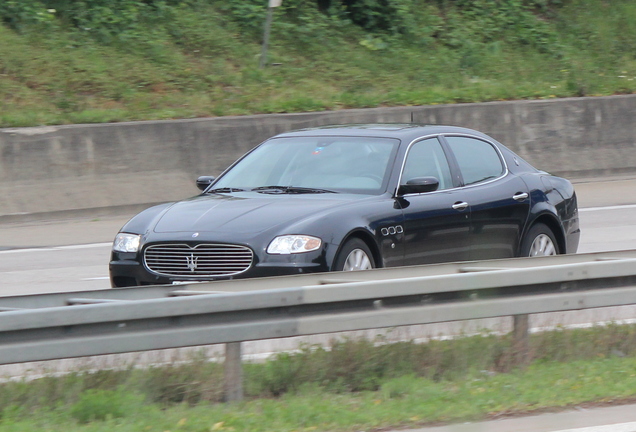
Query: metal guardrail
{"type": "Point", "coordinates": [75, 324]}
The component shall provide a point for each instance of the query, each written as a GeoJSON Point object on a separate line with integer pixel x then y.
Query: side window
{"type": "Point", "coordinates": [477, 160]}
{"type": "Point", "coordinates": [427, 159]}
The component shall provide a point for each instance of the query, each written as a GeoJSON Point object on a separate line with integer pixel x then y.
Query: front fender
{"type": "Point", "coordinates": [363, 221]}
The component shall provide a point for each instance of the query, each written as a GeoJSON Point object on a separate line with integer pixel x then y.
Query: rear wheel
{"type": "Point", "coordinates": [539, 241]}
{"type": "Point", "coordinates": [354, 255]}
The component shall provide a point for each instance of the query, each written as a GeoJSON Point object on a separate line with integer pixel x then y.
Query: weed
{"type": "Point", "coordinates": [104, 404]}
{"type": "Point", "coordinates": [341, 385]}
{"type": "Point", "coordinates": [180, 59]}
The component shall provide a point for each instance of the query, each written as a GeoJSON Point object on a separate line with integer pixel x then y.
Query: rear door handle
{"type": "Point", "coordinates": [520, 196]}
{"type": "Point", "coordinates": [460, 205]}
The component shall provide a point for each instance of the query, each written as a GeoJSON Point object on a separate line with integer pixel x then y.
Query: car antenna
{"type": "Point", "coordinates": [411, 116]}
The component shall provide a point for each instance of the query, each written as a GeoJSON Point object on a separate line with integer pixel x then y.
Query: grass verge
{"type": "Point", "coordinates": [400, 402]}
{"type": "Point", "coordinates": [355, 385]}
{"type": "Point", "coordinates": [202, 61]}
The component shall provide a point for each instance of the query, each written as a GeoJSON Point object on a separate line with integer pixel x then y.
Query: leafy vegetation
{"type": "Point", "coordinates": [354, 385]}
{"type": "Point", "coordinates": [70, 61]}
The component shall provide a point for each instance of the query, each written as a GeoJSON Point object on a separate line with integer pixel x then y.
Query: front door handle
{"type": "Point", "coordinates": [520, 196]}
{"type": "Point", "coordinates": [460, 205]}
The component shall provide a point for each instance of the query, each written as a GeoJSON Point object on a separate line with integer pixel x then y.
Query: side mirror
{"type": "Point", "coordinates": [419, 185]}
{"type": "Point", "coordinates": [204, 181]}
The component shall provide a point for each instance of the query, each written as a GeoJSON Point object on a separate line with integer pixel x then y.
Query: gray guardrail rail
{"type": "Point", "coordinates": [75, 324]}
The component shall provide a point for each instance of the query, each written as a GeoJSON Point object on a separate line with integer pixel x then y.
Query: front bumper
{"type": "Point", "coordinates": [127, 269]}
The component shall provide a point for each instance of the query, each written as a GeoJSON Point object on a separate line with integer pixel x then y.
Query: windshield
{"type": "Point", "coordinates": [313, 164]}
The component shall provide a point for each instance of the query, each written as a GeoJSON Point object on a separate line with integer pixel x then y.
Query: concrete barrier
{"type": "Point", "coordinates": [51, 169]}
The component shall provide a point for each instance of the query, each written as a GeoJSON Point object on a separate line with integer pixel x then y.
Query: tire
{"type": "Point", "coordinates": [539, 241]}
{"type": "Point", "coordinates": [354, 255]}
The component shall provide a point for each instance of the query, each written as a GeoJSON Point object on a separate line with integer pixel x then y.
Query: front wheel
{"type": "Point", "coordinates": [539, 241]}
{"type": "Point", "coordinates": [354, 255]}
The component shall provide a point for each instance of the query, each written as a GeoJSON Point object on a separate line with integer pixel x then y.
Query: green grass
{"type": "Point", "coordinates": [355, 385]}
{"type": "Point", "coordinates": [206, 64]}
{"type": "Point", "coordinates": [407, 401]}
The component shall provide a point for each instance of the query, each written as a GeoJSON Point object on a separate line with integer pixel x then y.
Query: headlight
{"type": "Point", "coordinates": [291, 244]}
{"type": "Point", "coordinates": [125, 242]}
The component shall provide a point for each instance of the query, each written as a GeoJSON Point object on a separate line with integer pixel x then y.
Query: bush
{"type": "Point", "coordinates": [18, 14]}
{"type": "Point", "coordinates": [421, 22]}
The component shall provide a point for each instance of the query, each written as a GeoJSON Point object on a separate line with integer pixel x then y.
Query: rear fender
{"type": "Point", "coordinates": [547, 215]}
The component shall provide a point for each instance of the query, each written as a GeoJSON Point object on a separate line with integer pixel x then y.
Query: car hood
{"type": "Point", "coordinates": [226, 213]}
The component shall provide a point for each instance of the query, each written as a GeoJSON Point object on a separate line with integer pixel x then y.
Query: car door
{"type": "Point", "coordinates": [436, 224]}
{"type": "Point", "coordinates": [499, 200]}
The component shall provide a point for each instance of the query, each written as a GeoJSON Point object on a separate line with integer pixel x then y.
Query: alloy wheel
{"type": "Point", "coordinates": [542, 246]}
{"type": "Point", "coordinates": [357, 260]}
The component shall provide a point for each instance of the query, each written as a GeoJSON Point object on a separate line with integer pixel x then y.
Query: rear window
{"type": "Point", "coordinates": [478, 160]}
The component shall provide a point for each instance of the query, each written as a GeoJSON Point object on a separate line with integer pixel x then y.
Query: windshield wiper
{"type": "Point", "coordinates": [289, 190]}
{"type": "Point", "coordinates": [225, 190]}
{"type": "Point", "coordinates": [299, 190]}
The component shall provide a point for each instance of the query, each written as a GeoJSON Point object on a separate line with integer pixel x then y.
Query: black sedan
{"type": "Point", "coordinates": [351, 198]}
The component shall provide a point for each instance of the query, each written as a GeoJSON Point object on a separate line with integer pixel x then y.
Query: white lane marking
{"type": "Point", "coordinates": [83, 246]}
{"type": "Point", "coordinates": [619, 427]}
{"type": "Point", "coordinates": [57, 248]}
{"type": "Point", "coordinates": [97, 245]}
{"type": "Point", "coordinates": [618, 207]}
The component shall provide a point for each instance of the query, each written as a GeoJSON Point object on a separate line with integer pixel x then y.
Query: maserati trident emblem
{"type": "Point", "coordinates": [191, 262]}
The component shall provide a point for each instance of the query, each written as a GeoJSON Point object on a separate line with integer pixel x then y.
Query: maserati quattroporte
{"type": "Point", "coordinates": [352, 197]}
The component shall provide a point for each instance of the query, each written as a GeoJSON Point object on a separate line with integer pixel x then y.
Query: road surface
{"type": "Point", "coordinates": [608, 419]}
{"type": "Point", "coordinates": [72, 254]}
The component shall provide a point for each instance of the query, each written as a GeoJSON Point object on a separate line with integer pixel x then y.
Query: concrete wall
{"type": "Point", "coordinates": [62, 168]}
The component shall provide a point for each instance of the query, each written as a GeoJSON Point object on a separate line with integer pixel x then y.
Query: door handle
{"type": "Point", "coordinates": [460, 205]}
{"type": "Point", "coordinates": [520, 196]}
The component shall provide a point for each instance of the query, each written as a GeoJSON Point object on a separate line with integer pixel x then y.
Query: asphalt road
{"type": "Point", "coordinates": [72, 254]}
{"type": "Point", "coordinates": [578, 419]}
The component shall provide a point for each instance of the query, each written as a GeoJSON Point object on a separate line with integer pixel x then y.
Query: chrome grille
{"type": "Point", "coordinates": [200, 260]}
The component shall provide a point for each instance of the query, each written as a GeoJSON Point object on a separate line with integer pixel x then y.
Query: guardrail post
{"type": "Point", "coordinates": [521, 339]}
{"type": "Point", "coordinates": [233, 372]}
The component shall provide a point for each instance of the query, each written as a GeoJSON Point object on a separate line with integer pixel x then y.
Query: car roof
{"type": "Point", "coordinates": [405, 131]}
